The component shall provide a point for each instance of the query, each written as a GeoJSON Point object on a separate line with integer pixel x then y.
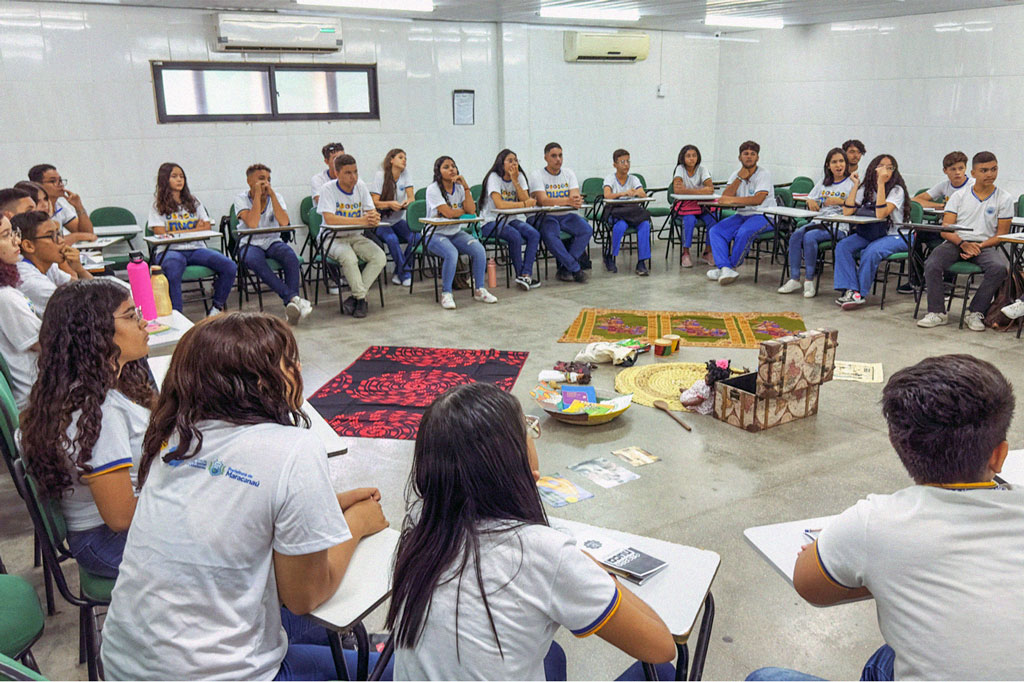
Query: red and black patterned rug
{"type": "Point", "coordinates": [384, 393]}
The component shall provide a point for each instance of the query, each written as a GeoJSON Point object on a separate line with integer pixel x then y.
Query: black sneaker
{"type": "Point", "coordinates": [905, 288]}
{"type": "Point", "coordinates": [584, 262]}
{"type": "Point", "coordinates": [564, 275]}
{"type": "Point", "coordinates": [534, 283]}
{"type": "Point", "coordinates": [579, 276]}
{"type": "Point", "coordinates": [641, 268]}
{"type": "Point", "coordinates": [349, 305]}
{"type": "Point", "coordinates": [609, 263]}
{"type": "Point", "coordinates": [361, 308]}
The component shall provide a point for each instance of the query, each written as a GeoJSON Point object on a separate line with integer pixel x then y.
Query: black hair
{"type": "Point", "coordinates": [437, 174]}
{"type": "Point", "coordinates": [28, 223]}
{"type": "Point", "coordinates": [978, 159]}
{"type": "Point", "coordinates": [344, 160]}
{"type": "Point", "coordinates": [829, 178]}
{"type": "Point", "coordinates": [682, 156]}
{"type": "Point", "coordinates": [165, 203]}
{"type": "Point", "coordinates": [497, 167]}
{"type": "Point", "coordinates": [256, 167]}
{"type": "Point", "coordinates": [551, 145]}
{"type": "Point", "coordinates": [619, 153]}
{"type": "Point", "coordinates": [35, 173]}
{"type": "Point", "coordinates": [953, 158]}
{"type": "Point", "coordinates": [750, 144]}
{"type": "Point", "coordinates": [12, 195]}
{"type": "Point", "coordinates": [389, 188]}
{"type": "Point", "coordinates": [716, 373]}
{"type": "Point", "coordinates": [857, 144]}
{"type": "Point", "coordinates": [870, 183]}
{"type": "Point", "coordinates": [330, 148]}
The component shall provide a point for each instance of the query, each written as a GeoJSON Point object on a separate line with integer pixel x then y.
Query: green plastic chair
{"type": "Point", "coordinates": [320, 261]}
{"type": "Point", "coordinates": [21, 619]}
{"type": "Point", "coordinates": [1020, 206]}
{"type": "Point", "coordinates": [16, 672]}
{"type": "Point", "coordinates": [307, 203]}
{"type": "Point", "coordinates": [5, 370]}
{"type": "Point", "coordinates": [785, 196]}
{"type": "Point", "coordinates": [655, 211]}
{"type": "Point", "coordinates": [194, 274]}
{"type": "Point", "coordinates": [115, 215]}
{"type": "Point", "coordinates": [248, 280]}
{"type": "Point", "coordinates": [413, 214]}
{"type": "Point", "coordinates": [421, 194]}
{"type": "Point", "coordinates": [474, 191]}
{"type": "Point", "coordinates": [801, 185]}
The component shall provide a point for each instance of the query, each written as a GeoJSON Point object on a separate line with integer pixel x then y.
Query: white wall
{"type": "Point", "coordinates": [916, 87]}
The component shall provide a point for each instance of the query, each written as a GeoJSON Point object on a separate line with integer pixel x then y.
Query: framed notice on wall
{"type": "Point", "coordinates": [463, 107]}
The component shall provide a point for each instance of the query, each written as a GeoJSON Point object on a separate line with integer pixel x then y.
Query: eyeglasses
{"type": "Point", "coordinates": [59, 182]}
{"type": "Point", "coordinates": [532, 426]}
{"type": "Point", "coordinates": [14, 235]}
{"type": "Point", "coordinates": [55, 237]}
{"type": "Point", "coordinates": [135, 314]}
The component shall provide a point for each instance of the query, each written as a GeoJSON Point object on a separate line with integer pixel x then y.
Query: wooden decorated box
{"type": "Point", "coordinates": [790, 371]}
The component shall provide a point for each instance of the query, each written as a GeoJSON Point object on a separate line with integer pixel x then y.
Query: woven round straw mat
{"type": "Point", "coordinates": [660, 382]}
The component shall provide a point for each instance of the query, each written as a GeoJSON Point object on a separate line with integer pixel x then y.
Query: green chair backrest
{"type": "Point", "coordinates": [475, 192]}
{"type": "Point", "coordinates": [314, 220]}
{"type": "Point", "coordinates": [413, 213]}
{"type": "Point", "coordinates": [784, 195]}
{"type": "Point", "coordinates": [923, 189]}
{"type": "Point", "coordinates": [421, 194]}
{"type": "Point", "coordinates": [112, 215]}
{"type": "Point", "coordinates": [9, 418]}
{"type": "Point", "coordinates": [591, 189]}
{"type": "Point", "coordinates": [1020, 206]}
{"type": "Point", "coordinates": [643, 181]}
{"type": "Point", "coordinates": [801, 185]}
{"type": "Point", "coordinates": [307, 203]}
{"type": "Point", "coordinates": [49, 511]}
{"type": "Point", "coordinates": [10, 669]}
{"type": "Point", "coordinates": [5, 369]}
{"type": "Point", "coordinates": [916, 212]}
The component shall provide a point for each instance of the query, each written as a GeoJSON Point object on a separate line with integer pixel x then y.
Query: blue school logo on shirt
{"type": "Point", "coordinates": [349, 210]}
{"type": "Point", "coordinates": [181, 221]}
{"type": "Point", "coordinates": [559, 191]}
{"type": "Point", "coordinates": [990, 210]}
{"type": "Point", "coordinates": [216, 467]}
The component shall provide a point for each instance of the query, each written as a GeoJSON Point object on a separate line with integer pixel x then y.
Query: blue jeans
{"type": "Point", "coordinates": [643, 238]}
{"type": "Point", "coordinates": [666, 671]}
{"type": "Point", "coordinates": [515, 232]}
{"type": "Point", "coordinates": [576, 226]}
{"type": "Point", "coordinates": [309, 655]}
{"type": "Point", "coordinates": [690, 221]}
{"type": "Point", "coordinates": [803, 246]}
{"type": "Point", "coordinates": [175, 262]}
{"type": "Point", "coordinates": [255, 259]}
{"type": "Point", "coordinates": [879, 667]}
{"type": "Point", "coordinates": [449, 247]}
{"type": "Point", "coordinates": [740, 230]}
{"type": "Point", "coordinates": [98, 550]}
{"type": "Point", "coordinates": [393, 236]}
{"type": "Point", "coordinates": [848, 274]}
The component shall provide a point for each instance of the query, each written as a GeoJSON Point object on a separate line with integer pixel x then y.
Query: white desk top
{"type": "Point", "coordinates": [346, 228]}
{"type": "Point", "coordinates": [1013, 468]}
{"type": "Point", "coordinates": [245, 231]}
{"type": "Point", "coordinates": [1017, 221]}
{"type": "Point", "coordinates": [1011, 238]}
{"type": "Point", "coordinates": [451, 221]}
{"type": "Point", "coordinates": [629, 200]}
{"type": "Point", "coordinates": [517, 211]}
{"type": "Point", "coordinates": [932, 211]}
{"type": "Point", "coordinates": [851, 219]}
{"type": "Point", "coordinates": [801, 196]}
{"type": "Point", "coordinates": [168, 339]}
{"type": "Point", "coordinates": [100, 243]}
{"type": "Point", "coordinates": [173, 238]}
{"type": "Point", "coordinates": [780, 543]}
{"type": "Point", "coordinates": [676, 593]}
{"type": "Point", "coordinates": [115, 230]}
{"type": "Point", "coordinates": [695, 197]}
{"type": "Point", "coordinates": [788, 212]}
{"type": "Point", "coordinates": [365, 585]}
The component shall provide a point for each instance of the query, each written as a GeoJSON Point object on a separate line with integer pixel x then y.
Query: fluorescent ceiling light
{"type": "Point", "coordinates": [742, 22]}
{"type": "Point", "coordinates": [588, 13]}
{"type": "Point", "coordinates": [390, 5]}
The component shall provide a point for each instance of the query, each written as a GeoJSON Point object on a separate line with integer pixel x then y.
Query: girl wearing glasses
{"type": "Point", "coordinates": [82, 431]}
{"type": "Point", "coordinates": [19, 334]}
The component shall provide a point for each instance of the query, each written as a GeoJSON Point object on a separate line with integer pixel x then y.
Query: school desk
{"type": "Point", "coordinates": [159, 243]}
{"type": "Point", "coordinates": [322, 247]}
{"type": "Point", "coordinates": [501, 218]}
{"type": "Point", "coordinates": [1013, 468]}
{"type": "Point", "coordinates": [780, 243]}
{"type": "Point", "coordinates": [129, 232]}
{"type": "Point", "coordinates": [801, 197]}
{"type": "Point", "coordinates": [780, 543]}
{"type": "Point", "coordinates": [98, 244]}
{"type": "Point", "coordinates": [602, 226]}
{"type": "Point", "coordinates": [915, 247]}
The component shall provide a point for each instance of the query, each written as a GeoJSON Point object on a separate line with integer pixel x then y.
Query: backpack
{"type": "Point", "coordinates": [1009, 291]}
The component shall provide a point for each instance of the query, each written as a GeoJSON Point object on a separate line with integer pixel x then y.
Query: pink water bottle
{"type": "Point", "coordinates": [492, 273]}
{"type": "Point", "coordinates": [142, 286]}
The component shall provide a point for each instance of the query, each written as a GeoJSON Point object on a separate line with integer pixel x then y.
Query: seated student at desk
{"type": "Point", "coordinates": [942, 557]}
{"type": "Point", "coordinates": [692, 178]}
{"type": "Point", "coordinates": [68, 210]}
{"type": "Point", "coordinates": [987, 211]}
{"type": "Point", "coordinates": [392, 191]}
{"type": "Point", "coordinates": [749, 187]}
{"type": "Point", "coordinates": [954, 165]}
{"type": "Point", "coordinates": [81, 434]}
{"type": "Point", "coordinates": [622, 185]}
{"type": "Point", "coordinates": [554, 185]}
{"type": "Point", "coordinates": [505, 187]}
{"type": "Point", "coordinates": [48, 260]}
{"type": "Point", "coordinates": [330, 151]}
{"type": "Point", "coordinates": [481, 582]}
{"type": "Point", "coordinates": [175, 211]}
{"type": "Point", "coordinates": [14, 201]}
{"type": "Point", "coordinates": [19, 334]}
{"type": "Point", "coordinates": [827, 197]}
{"type": "Point", "coordinates": [236, 516]}
{"type": "Point", "coordinates": [854, 150]}
{"type": "Point", "coordinates": [255, 250]}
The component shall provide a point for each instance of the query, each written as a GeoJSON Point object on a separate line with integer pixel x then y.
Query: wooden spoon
{"type": "Point", "coordinates": [662, 405]}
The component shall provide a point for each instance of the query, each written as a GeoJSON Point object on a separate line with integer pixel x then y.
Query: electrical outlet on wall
{"type": "Point", "coordinates": [661, 90]}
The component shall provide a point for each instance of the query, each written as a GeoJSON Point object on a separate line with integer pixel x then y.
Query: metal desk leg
{"type": "Point", "coordinates": [700, 650]}
{"type": "Point", "coordinates": [362, 652]}
{"type": "Point", "coordinates": [682, 661]}
{"type": "Point", "coordinates": [334, 640]}
{"type": "Point", "coordinates": [382, 661]}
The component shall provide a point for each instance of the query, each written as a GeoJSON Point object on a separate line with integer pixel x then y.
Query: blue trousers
{"type": "Point", "coordinates": [393, 236]}
{"type": "Point", "coordinates": [575, 225]}
{"type": "Point", "coordinates": [879, 667]}
{"type": "Point", "coordinates": [643, 238]}
{"type": "Point", "coordinates": [859, 277]}
{"type": "Point", "coordinates": [309, 655]}
{"type": "Point", "coordinates": [449, 247]}
{"type": "Point", "coordinates": [740, 230]}
{"type": "Point", "coordinates": [689, 221]}
{"type": "Point", "coordinates": [175, 261]}
{"type": "Point", "coordinates": [515, 232]}
{"type": "Point", "coordinates": [803, 247]}
{"type": "Point", "coordinates": [98, 550]}
{"type": "Point", "coordinates": [255, 259]}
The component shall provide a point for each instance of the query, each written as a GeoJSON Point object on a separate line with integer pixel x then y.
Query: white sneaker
{"type": "Point", "coordinates": [293, 311]}
{"type": "Point", "coordinates": [789, 287]}
{"type": "Point", "coordinates": [933, 320]}
{"type": "Point", "coordinates": [713, 274]}
{"type": "Point", "coordinates": [395, 279]}
{"type": "Point", "coordinates": [306, 308]}
{"type": "Point", "coordinates": [810, 291]}
{"type": "Point", "coordinates": [728, 276]}
{"type": "Point", "coordinates": [1014, 310]}
{"type": "Point", "coordinates": [214, 310]}
{"type": "Point", "coordinates": [407, 282]}
{"type": "Point", "coordinates": [484, 296]}
{"type": "Point", "coordinates": [332, 289]}
{"type": "Point", "coordinates": [447, 301]}
{"type": "Point", "coordinates": [975, 322]}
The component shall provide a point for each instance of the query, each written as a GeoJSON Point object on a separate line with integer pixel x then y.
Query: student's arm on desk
{"type": "Point", "coordinates": [679, 188]}
{"type": "Point", "coordinates": [812, 584]}
{"type": "Point", "coordinates": [200, 226]}
{"type": "Point", "coordinates": [637, 630]}
{"type": "Point", "coordinates": [575, 199]}
{"type": "Point", "coordinates": [371, 218]}
{"type": "Point", "coordinates": [925, 200]}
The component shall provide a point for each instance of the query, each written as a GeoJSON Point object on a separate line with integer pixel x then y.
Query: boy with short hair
{"type": "Point", "coordinates": [623, 185]}
{"type": "Point", "coordinates": [48, 261]}
{"type": "Point", "coordinates": [954, 165]}
{"type": "Point", "coordinates": [14, 201]}
{"type": "Point", "coordinates": [854, 150]}
{"type": "Point", "coordinates": [987, 211]}
{"type": "Point", "coordinates": [331, 151]}
{"type": "Point", "coordinates": [554, 185]}
{"type": "Point", "coordinates": [347, 201]}
{"type": "Point", "coordinates": [68, 209]}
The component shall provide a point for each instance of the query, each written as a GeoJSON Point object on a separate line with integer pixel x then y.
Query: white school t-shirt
{"type": "Point", "coordinates": [760, 181]}
{"type": "Point", "coordinates": [354, 204]}
{"type": "Point", "coordinates": [18, 333]}
{"type": "Point", "coordinates": [945, 189]}
{"type": "Point", "coordinates": [837, 190]}
{"type": "Point", "coordinates": [894, 197]}
{"type": "Point", "coordinates": [243, 202]}
{"type": "Point", "coordinates": [506, 189]}
{"type": "Point", "coordinates": [197, 597]}
{"type": "Point", "coordinates": [944, 568]}
{"type": "Point", "coordinates": [63, 212]}
{"type": "Point", "coordinates": [435, 197]}
{"type": "Point", "coordinates": [318, 181]}
{"type": "Point", "coordinates": [40, 286]}
{"type": "Point", "coordinates": [119, 445]}
{"type": "Point", "coordinates": [612, 182]}
{"type": "Point", "coordinates": [181, 219]}
{"type": "Point", "coordinates": [403, 182]}
{"type": "Point", "coordinates": [981, 216]}
{"type": "Point", "coordinates": [555, 186]}
{"type": "Point", "coordinates": [696, 181]}
{"type": "Point", "coordinates": [536, 580]}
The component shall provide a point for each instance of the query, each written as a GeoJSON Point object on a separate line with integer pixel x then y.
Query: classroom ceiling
{"type": "Point", "coordinates": [673, 15]}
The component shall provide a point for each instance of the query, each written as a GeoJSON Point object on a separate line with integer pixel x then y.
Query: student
{"type": "Point", "coordinates": [48, 260]}
{"type": "Point", "coordinates": [14, 201]}
{"type": "Point", "coordinates": [37, 192]}
{"type": "Point", "coordinates": [940, 556]}
{"type": "Point", "coordinates": [884, 196]}
{"type": "Point", "coordinates": [854, 150]}
{"type": "Point", "coordinates": [828, 197]}
{"type": "Point", "coordinates": [392, 192]}
{"type": "Point", "coordinates": [481, 582]}
{"type": "Point", "coordinates": [557, 186]}
{"type": "Point", "coordinates": [81, 434]}
{"type": "Point", "coordinates": [257, 249]}
{"type": "Point", "coordinates": [236, 516]}
{"type": "Point", "coordinates": [987, 211]}
{"type": "Point", "coordinates": [331, 151]}
{"type": "Point", "coordinates": [749, 187]}
{"type": "Point", "coordinates": [954, 165]}
{"type": "Point", "coordinates": [347, 201]}
{"type": "Point", "coordinates": [505, 187]}
{"type": "Point", "coordinates": [448, 196]}
{"type": "Point", "coordinates": [19, 333]}
{"type": "Point", "coordinates": [621, 185]}
{"type": "Point", "coordinates": [68, 210]}
{"type": "Point", "coordinates": [176, 211]}
{"type": "Point", "coordinates": [692, 178]}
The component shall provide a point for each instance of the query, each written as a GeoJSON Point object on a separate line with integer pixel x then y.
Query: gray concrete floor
{"type": "Point", "coordinates": [711, 483]}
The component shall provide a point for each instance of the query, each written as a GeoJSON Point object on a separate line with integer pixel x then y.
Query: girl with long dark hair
{"type": "Point", "coordinates": [691, 178]}
{"type": "Point", "coordinates": [392, 192]}
{"type": "Point", "coordinates": [481, 582]}
{"type": "Point", "coordinates": [236, 516]}
{"type": "Point", "coordinates": [883, 196]}
{"type": "Point", "coordinates": [81, 434]}
{"type": "Point", "coordinates": [19, 333]}
{"type": "Point", "coordinates": [505, 186]}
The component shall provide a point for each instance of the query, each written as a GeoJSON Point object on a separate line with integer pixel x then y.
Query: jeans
{"type": "Point", "coordinates": [255, 259]}
{"type": "Point", "coordinates": [393, 236]}
{"type": "Point", "coordinates": [689, 221]}
{"type": "Point", "coordinates": [448, 247]}
{"type": "Point", "coordinates": [98, 550]}
{"type": "Point", "coordinates": [990, 260]}
{"type": "Point", "coordinates": [803, 246]}
{"type": "Point", "coordinates": [859, 278]}
{"type": "Point", "coordinates": [576, 226]}
{"type": "Point", "coordinates": [515, 232]}
{"type": "Point", "coordinates": [347, 249]}
{"type": "Point", "coordinates": [174, 263]}
{"type": "Point", "coordinates": [879, 667]}
{"type": "Point", "coordinates": [309, 655]}
{"type": "Point", "coordinates": [666, 671]}
{"type": "Point", "coordinates": [643, 238]}
{"type": "Point", "coordinates": [740, 230]}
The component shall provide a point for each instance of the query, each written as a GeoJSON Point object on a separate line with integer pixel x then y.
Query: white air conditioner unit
{"type": "Point", "coordinates": [244, 32]}
{"type": "Point", "coordinates": [606, 47]}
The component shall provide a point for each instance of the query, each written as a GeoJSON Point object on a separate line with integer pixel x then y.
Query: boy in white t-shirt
{"type": "Point", "coordinates": [554, 185]}
{"type": "Point", "coordinates": [48, 262]}
{"type": "Point", "coordinates": [68, 209]}
{"type": "Point", "coordinates": [942, 557]}
{"type": "Point", "coordinates": [987, 211]}
{"type": "Point", "coordinates": [954, 165]}
{"type": "Point", "coordinates": [347, 201]}
{"type": "Point", "coordinates": [622, 185]}
{"type": "Point", "coordinates": [331, 151]}
{"type": "Point", "coordinates": [19, 334]}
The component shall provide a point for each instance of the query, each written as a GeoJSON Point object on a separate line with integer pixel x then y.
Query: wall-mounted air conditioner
{"type": "Point", "coordinates": [606, 47]}
{"type": "Point", "coordinates": [243, 32]}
